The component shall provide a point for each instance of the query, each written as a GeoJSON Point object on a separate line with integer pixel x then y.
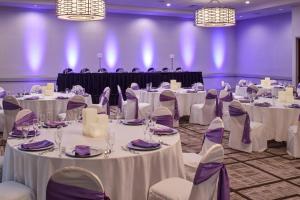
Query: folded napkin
{"type": "Point", "coordinates": [82, 150]}
{"type": "Point", "coordinates": [37, 145]}
{"type": "Point", "coordinates": [62, 97]}
{"type": "Point", "coordinates": [191, 91]}
{"type": "Point", "coordinates": [143, 144]}
{"type": "Point", "coordinates": [19, 133]}
{"type": "Point", "coordinates": [264, 104]}
{"type": "Point", "coordinates": [162, 130]}
{"type": "Point", "coordinates": [244, 100]}
{"type": "Point", "coordinates": [152, 90]}
{"type": "Point", "coordinates": [294, 106]}
{"type": "Point", "coordinates": [54, 124]}
{"type": "Point", "coordinates": [134, 121]}
{"type": "Point", "coordinates": [32, 98]}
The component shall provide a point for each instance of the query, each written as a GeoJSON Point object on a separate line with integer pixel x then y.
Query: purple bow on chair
{"type": "Point", "coordinates": [10, 106]}
{"type": "Point", "coordinates": [213, 96]}
{"type": "Point", "coordinates": [73, 105]}
{"type": "Point", "coordinates": [163, 97]}
{"type": "Point", "coordinates": [236, 112]}
{"type": "Point", "coordinates": [2, 94]}
{"type": "Point", "coordinates": [227, 98]}
{"type": "Point", "coordinates": [25, 119]}
{"type": "Point", "coordinates": [215, 135]}
{"type": "Point", "coordinates": [59, 191]}
{"type": "Point", "coordinates": [135, 99]}
{"type": "Point", "coordinates": [166, 120]}
{"type": "Point", "coordinates": [207, 170]}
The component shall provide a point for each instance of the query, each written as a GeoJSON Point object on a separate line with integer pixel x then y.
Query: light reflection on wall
{"type": "Point", "coordinates": [218, 47]}
{"type": "Point", "coordinates": [147, 49]}
{"type": "Point", "coordinates": [187, 44]}
{"type": "Point", "coordinates": [111, 50]}
{"type": "Point", "coordinates": [72, 49]}
{"type": "Point", "coordinates": [35, 39]}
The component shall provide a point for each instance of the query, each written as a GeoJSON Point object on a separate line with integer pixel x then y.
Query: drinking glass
{"type": "Point", "coordinates": [67, 90]}
{"type": "Point", "coordinates": [25, 130]}
{"type": "Point", "coordinates": [110, 139]}
{"type": "Point", "coordinates": [58, 138]}
{"type": "Point", "coordinates": [118, 115]}
{"type": "Point", "coordinates": [35, 127]}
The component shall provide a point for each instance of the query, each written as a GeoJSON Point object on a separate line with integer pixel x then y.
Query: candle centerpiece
{"type": "Point", "coordinates": [94, 125]}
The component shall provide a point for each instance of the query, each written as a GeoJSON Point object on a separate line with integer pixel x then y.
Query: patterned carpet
{"type": "Point", "coordinates": [271, 175]}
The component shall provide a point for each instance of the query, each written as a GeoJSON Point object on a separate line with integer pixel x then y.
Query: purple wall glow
{"type": "Point", "coordinates": [111, 50]}
{"type": "Point", "coordinates": [219, 47]}
{"type": "Point", "coordinates": [187, 44]}
{"type": "Point", "coordinates": [72, 49]}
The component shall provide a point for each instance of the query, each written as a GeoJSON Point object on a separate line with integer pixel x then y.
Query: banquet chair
{"type": "Point", "coordinates": [252, 90]}
{"type": "Point", "coordinates": [24, 116]}
{"type": "Point", "coordinates": [11, 190]}
{"type": "Point", "coordinates": [121, 101]}
{"type": "Point", "coordinates": [168, 99]}
{"type": "Point", "coordinates": [165, 69]}
{"type": "Point", "coordinates": [103, 106]}
{"type": "Point", "coordinates": [210, 180]}
{"type": "Point", "coordinates": [74, 108]}
{"type": "Point", "coordinates": [11, 107]}
{"type": "Point", "coordinates": [102, 70]}
{"type": "Point", "coordinates": [225, 98]}
{"type": "Point", "coordinates": [37, 89]}
{"type": "Point", "coordinates": [134, 86]}
{"type": "Point", "coordinates": [3, 93]}
{"type": "Point", "coordinates": [178, 69]}
{"type": "Point", "coordinates": [245, 135]}
{"type": "Point", "coordinates": [165, 85]}
{"type": "Point", "coordinates": [136, 70]}
{"type": "Point", "coordinates": [242, 83]}
{"type": "Point", "coordinates": [151, 69]}
{"type": "Point", "coordinates": [293, 142]}
{"type": "Point", "coordinates": [214, 135]}
{"type": "Point", "coordinates": [74, 183]}
{"type": "Point", "coordinates": [85, 71]}
{"type": "Point", "coordinates": [67, 71]}
{"type": "Point", "coordinates": [134, 109]}
{"type": "Point", "coordinates": [198, 86]}
{"type": "Point", "coordinates": [120, 70]}
{"type": "Point", "coordinates": [163, 116]}
{"type": "Point", "coordinates": [204, 113]}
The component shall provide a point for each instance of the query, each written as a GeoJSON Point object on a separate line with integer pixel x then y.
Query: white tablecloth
{"type": "Point", "coordinates": [276, 118]}
{"type": "Point", "coordinates": [125, 176]}
{"type": "Point", "coordinates": [48, 105]}
{"type": "Point", "coordinates": [185, 100]}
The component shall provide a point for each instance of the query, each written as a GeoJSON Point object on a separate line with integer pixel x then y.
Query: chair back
{"type": "Point", "coordinates": [168, 99]}
{"type": "Point", "coordinates": [120, 70]}
{"type": "Point", "coordinates": [225, 98]}
{"type": "Point", "coordinates": [136, 70]}
{"type": "Point", "coordinates": [211, 179]}
{"type": "Point", "coordinates": [134, 86]}
{"type": "Point", "coordinates": [104, 100]}
{"type": "Point", "coordinates": [120, 98]}
{"type": "Point", "coordinates": [102, 70]}
{"type": "Point", "coordinates": [2, 93]}
{"type": "Point", "coordinates": [252, 89]}
{"type": "Point", "coordinates": [163, 116]}
{"type": "Point", "coordinates": [67, 71]}
{"type": "Point", "coordinates": [165, 69]}
{"type": "Point", "coordinates": [78, 90]}
{"type": "Point", "coordinates": [178, 69]}
{"type": "Point", "coordinates": [74, 183]}
{"type": "Point", "coordinates": [165, 85]}
{"type": "Point", "coordinates": [242, 83]}
{"type": "Point", "coordinates": [132, 104]}
{"type": "Point", "coordinates": [198, 86]}
{"type": "Point", "coordinates": [24, 116]}
{"type": "Point", "coordinates": [36, 89]}
{"type": "Point", "coordinates": [74, 107]}
{"type": "Point", "coordinates": [151, 69]}
{"type": "Point", "coordinates": [11, 107]}
{"type": "Point", "coordinates": [85, 70]}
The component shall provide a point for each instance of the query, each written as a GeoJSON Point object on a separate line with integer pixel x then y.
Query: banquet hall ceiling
{"type": "Point", "coordinates": [181, 8]}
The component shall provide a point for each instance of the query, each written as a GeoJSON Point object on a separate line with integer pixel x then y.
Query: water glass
{"type": "Point", "coordinates": [110, 139]}
{"type": "Point", "coordinates": [35, 127]}
{"type": "Point", "coordinates": [58, 138]}
{"type": "Point", "coordinates": [25, 130]}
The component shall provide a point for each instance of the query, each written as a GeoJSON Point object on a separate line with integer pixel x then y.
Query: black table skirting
{"type": "Point", "coordinates": [94, 83]}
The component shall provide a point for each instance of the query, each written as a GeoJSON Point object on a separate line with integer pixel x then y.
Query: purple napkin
{"type": "Point", "coordinates": [244, 100]}
{"type": "Point", "coordinates": [264, 104]}
{"type": "Point", "coordinates": [82, 150]}
{"type": "Point", "coordinates": [143, 144]}
{"type": "Point", "coordinates": [294, 106]}
{"type": "Point", "coordinates": [19, 134]}
{"type": "Point", "coordinates": [32, 98]}
{"type": "Point", "coordinates": [152, 90]}
{"type": "Point", "coordinates": [54, 124]}
{"type": "Point", "coordinates": [62, 97]}
{"type": "Point", "coordinates": [37, 145]}
{"type": "Point", "coordinates": [134, 121]}
{"type": "Point", "coordinates": [162, 131]}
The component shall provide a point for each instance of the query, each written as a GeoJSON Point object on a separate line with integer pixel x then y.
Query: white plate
{"type": "Point", "coordinates": [94, 152]}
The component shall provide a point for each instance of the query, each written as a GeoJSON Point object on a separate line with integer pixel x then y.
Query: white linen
{"type": "Point", "coordinates": [125, 176]}
{"type": "Point", "coordinates": [15, 191]}
{"type": "Point", "coordinates": [185, 100]}
{"type": "Point", "coordinates": [242, 90]}
{"type": "Point", "coordinates": [293, 143]}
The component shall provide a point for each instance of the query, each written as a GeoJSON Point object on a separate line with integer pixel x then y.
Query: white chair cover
{"type": "Point", "coordinates": [11, 107]}
{"type": "Point", "coordinates": [165, 85]}
{"type": "Point", "coordinates": [121, 101]}
{"type": "Point", "coordinates": [257, 136]}
{"type": "Point", "coordinates": [225, 112]}
{"type": "Point", "coordinates": [2, 93]}
{"type": "Point", "coordinates": [204, 113]}
{"type": "Point", "coordinates": [171, 104]}
{"type": "Point", "coordinates": [74, 113]}
{"type": "Point", "coordinates": [134, 86]}
{"type": "Point", "coordinates": [36, 89]}
{"type": "Point", "coordinates": [166, 114]}
{"type": "Point", "coordinates": [293, 143]}
{"type": "Point", "coordinates": [11, 190]}
{"type": "Point", "coordinates": [104, 101]}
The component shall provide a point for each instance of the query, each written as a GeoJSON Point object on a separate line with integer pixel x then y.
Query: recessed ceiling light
{"type": "Point", "coordinates": [168, 4]}
{"type": "Point", "coordinates": [247, 2]}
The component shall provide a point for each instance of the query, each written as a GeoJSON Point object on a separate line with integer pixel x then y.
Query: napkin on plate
{"type": "Point", "coordinates": [191, 91]}
{"type": "Point", "coordinates": [294, 106]}
{"type": "Point", "coordinates": [244, 100]}
{"type": "Point", "coordinates": [162, 130]}
{"type": "Point", "coordinates": [37, 145]}
{"type": "Point", "coordinates": [134, 121]}
{"type": "Point", "coordinates": [32, 98]}
{"type": "Point", "coordinates": [19, 133]}
{"type": "Point", "coordinates": [54, 124]}
{"type": "Point", "coordinates": [143, 144]}
{"type": "Point", "coordinates": [264, 104]}
{"type": "Point", "coordinates": [152, 90]}
{"type": "Point", "coordinates": [62, 97]}
{"type": "Point", "coordinates": [82, 150]}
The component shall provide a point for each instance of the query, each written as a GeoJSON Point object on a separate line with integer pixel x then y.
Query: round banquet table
{"type": "Point", "coordinates": [125, 176]}
{"type": "Point", "coordinates": [242, 90]}
{"type": "Point", "coordinates": [185, 100]}
{"type": "Point", "coordinates": [276, 118]}
{"type": "Point", "coordinates": [49, 105]}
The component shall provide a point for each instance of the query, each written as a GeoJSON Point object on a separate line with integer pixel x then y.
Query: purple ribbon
{"type": "Point", "coordinates": [10, 106]}
{"type": "Point", "coordinates": [163, 97]}
{"type": "Point", "coordinates": [235, 112]}
{"type": "Point", "coordinates": [59, 191]}
{"type": "Point", "coordinates": [73, 105]}
{"type": "Point", "coordinates": [207, 170]}
{"type": "Point", "coordinates": [227, 98]}
{"type": "Point", "coordinates": [166, 120]}
{"type": "Point", "coordinates": [135, 99]}
{"type": "Point", "coordinates": [214, 96]}
{"type": "Point", "coordinates": [25, 119]}
{"type": "Point", "coordinates": [215, 135]}
{"type": "Point", "coordinates": [2, 94]}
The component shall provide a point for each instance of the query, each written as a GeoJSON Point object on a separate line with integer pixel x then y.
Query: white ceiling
{"type": "Point", "coordinates": [181, 8]}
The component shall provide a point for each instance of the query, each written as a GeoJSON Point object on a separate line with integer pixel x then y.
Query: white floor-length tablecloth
{"type": "Point", "coordinates": [125, 176]}
{"type": "Point", "coordinates": [185, 99]}
{"type": "Point", "coordinates": [48, 105]}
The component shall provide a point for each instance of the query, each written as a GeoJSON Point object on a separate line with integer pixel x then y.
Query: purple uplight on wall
{"type": "Point", "coordinates": [111, 50]}
{"type": "Point", "coordinates": [147, 50]}
{"type": "Point", "coordinates": [35, 35]}
{"type": "Point", "coordinates": [218, 47]}
{"type": "Point", "coordinates": [187, 44]}
{"type": "Point", "coordinates": [72, 49]}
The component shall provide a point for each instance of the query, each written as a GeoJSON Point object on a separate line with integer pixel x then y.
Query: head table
{"type": "Point", "coordinates": [125, 175]}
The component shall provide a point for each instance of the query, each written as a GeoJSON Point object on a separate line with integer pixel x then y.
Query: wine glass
{"type": "Point", "coordinates": [25, 130]}
{"type": "Point", "coordinates": [58, 138]}
{"type": "Point", "coordinates": [118, 115]}
{"type": "Point", "coordinates": [35, 127]}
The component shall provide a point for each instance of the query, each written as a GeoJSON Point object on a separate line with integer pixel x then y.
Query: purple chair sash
{"type": "Point", "coordinates": [246, 132]}
{"type": "Point", "coordinates": [59, 191]}
{"type": "Point", "coordinates": [163, 97]}
{"type": "Point", "coordinates": [10, 106]}
{"type": "Point", "coordinates": [215, 135]}
{"type": "Point", "coordinates": [166, 120]}
{"type": "Point", "coordinates": [2, 94]}
{"type": "Point", "coordinates": [73, 105]}
{"type": "Point", "coordinates": [25, 119]}
{"type": "Point", "coordinates": [227, 98]}
{"type": "Point", "coordinates": [213, 96]}
{"type": "Point", "coordinates": [207, 170]}
{"type": "Point", "coordinates": [135, 99]}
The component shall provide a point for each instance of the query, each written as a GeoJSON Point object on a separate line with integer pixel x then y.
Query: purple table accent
{"type": "Point", "coordinates": [82, 150]}
{"type": "Point", "coordinates": [134, 122]}
{"type": "Point", "coordinates": [59, 191]}
{"type": "Point", "coordinates": [10, 106]}
{"type": "Point", "coordinates": [244, 100]}
{"type": "Point", "coordinates": [236, 112]}
{"type": "Point", "coordinates": [37, 145]}
{"type": "Point", "coordinates": [54, 124]}
{"type": "Point", "coordinates": [251, 90]}
{"type": "Point", "coordinates": [191, 91]}
{"type": "Point", "coordinates": [207, 170]}
{"type": "Point", "coordinates": [135, 99]}
{"type": "Point", "coordinates": [163, 131]}
{"type": "Point", "coordinates": [163, 97]}
{"type": "Point", "coordinates": [213, 96]}
{"type": "Point", "coordinates": [143, 144]}
{"type": "Point", "coordinates": [215, 135]}
{"type": "Point", "coordinates": [19, 133]}
{"type": "Point", "coordinates": [73, 105]}
{"type": "Point", "coordinates": [166, 120]}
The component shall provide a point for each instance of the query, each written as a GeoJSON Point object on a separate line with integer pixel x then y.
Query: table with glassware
{"type": "Point", "coordinates": [275, 116]}
{"type": "Point", "coordinates": [273, 89]}
{"type": "Point", "coordinates": [48, 107]}
{"type": "Point", "coordinates": [126, 174]}
{"type": "Point", "coordinates": [185, 98]}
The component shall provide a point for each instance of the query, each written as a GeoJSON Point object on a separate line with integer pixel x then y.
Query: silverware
{"type": "Point", "coordinates": [107, 153]}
